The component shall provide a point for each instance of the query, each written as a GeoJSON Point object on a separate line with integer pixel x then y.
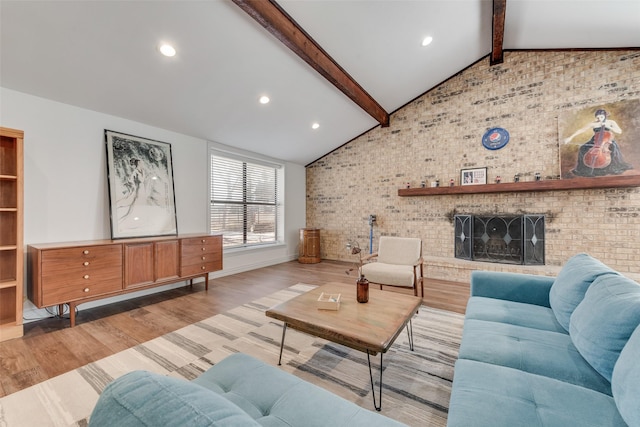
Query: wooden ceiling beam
{"type": "Point", "coordinates": [275, 20]}
{"type": "Point", "coordinates": [499, 12]}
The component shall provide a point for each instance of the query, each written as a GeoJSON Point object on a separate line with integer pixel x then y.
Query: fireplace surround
{"type": "Point", "coordinates": [506, 239]}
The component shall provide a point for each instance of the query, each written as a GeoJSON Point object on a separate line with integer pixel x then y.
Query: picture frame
{"type": "Point", "coordinates": [474, 176]}
{"type": "Point", "coordinates": [587, 150]}
{"type": "Point", "coordinates": [141, 188]}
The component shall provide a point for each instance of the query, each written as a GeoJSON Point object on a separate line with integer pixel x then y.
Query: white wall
{"type": "Point", "coordinates": [66, 197]}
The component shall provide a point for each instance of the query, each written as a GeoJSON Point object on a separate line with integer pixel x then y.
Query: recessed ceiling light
{"type": "Point", "coordinates": [264, 99]}
{"type": "Point", "coordinates": [427, 41]}
{"type": "Point", "coordinates": [315, 126]}
{"type": "Point", "coordinates": [167, 50]}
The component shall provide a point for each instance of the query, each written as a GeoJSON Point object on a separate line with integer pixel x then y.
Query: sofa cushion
{"type": "Point", "coordinates": [572, 282]}
{"type": "Point", "coordinates": [142, 398]}
{"type": "Point", "coordinates": [492, 395]}
{"type": "Point", "coordinates": [276, 398]}
{"type": "Point", "coordinates": [515, 313]}
{"type": "Point", "coordinates": [625, 382]}
{"type": "Point", "coordinates": [551, 354]}
{"type": "Point", "coordinates": [605, 319]}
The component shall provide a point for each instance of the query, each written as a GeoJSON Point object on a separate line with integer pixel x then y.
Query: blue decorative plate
{"type": "Point", "coordinates": [495, 138]}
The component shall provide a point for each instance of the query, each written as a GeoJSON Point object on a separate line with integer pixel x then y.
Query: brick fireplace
{"type": "Point", "coordinates": [438, 134]}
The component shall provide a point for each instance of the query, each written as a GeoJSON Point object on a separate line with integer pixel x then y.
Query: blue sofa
{"type": "Point", "coordinates": [543, 351]}
{"type": "Point", "coordinates": [239, 391]}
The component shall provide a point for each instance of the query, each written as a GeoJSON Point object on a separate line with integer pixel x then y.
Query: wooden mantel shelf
{"type": "Point", "coordinates": [513, 187]}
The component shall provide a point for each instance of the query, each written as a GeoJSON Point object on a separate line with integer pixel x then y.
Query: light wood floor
{"type": "Point", "coordinates": [50, 348]}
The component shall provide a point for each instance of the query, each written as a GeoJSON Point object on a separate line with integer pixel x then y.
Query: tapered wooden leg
{"type": "Point", "coordinates": [72, 314]}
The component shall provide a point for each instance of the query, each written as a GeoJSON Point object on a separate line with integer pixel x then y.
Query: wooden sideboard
{"type": "Point", "coordinates": [77, 272]}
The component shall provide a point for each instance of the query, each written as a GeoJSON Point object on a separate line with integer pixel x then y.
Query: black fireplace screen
{"type": "Point", "coordinates": [507, 239]}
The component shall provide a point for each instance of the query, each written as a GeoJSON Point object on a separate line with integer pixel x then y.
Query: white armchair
{"type": "Point", "coordinates": [398, 263]}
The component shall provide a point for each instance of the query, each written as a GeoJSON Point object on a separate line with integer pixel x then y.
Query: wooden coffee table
{"type": "Point", "coordinates": [371, 327]}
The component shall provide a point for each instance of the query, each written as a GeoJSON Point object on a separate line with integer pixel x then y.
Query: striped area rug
{"type": "Point", "coordinates": [416, 384]}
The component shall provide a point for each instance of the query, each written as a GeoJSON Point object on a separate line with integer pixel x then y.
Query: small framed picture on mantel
{"type": "Point", "coordinates": [475, 176]}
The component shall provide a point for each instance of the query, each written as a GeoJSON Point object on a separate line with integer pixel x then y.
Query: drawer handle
{"type": "Point", "coordinates": [86, 276]}
{"type": "Point", "coordinates": [204, 257]}
{"type": "Point", "coordinates": [86, 289]}
{"type": "Point", "coordinates": [202, 267]}
{"type": "Point", "coordinates": [86, 252]}
{"type": "Point", "coordinates": [85, 263]}
{"type": "Point", "coordinates": [204, 249]}
{"type": "Point", "coordinates": [203, 240]}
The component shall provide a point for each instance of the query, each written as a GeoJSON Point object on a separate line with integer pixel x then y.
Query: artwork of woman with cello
{"type": "Point", "coordinates": [601, 154]}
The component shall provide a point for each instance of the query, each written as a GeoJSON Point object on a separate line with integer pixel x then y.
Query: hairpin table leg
{"type": "Point", "coordinates": [284, 330]}
{"type": "Point", "coordinates": [410, 334]}
{"type": "Point", "coordinates": [378, 406]}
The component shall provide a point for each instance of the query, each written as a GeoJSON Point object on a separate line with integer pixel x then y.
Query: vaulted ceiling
{"type": "Point", "coordinates": [343, 64]}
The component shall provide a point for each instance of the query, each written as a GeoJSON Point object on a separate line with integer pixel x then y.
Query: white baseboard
{"type": "Point", "coordinates": [248, 267]}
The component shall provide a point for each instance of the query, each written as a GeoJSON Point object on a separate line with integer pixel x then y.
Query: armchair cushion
{"type": "Point", "coordinates": [389, 274]}
{"type": "Point", "coordinates": [399, 250]}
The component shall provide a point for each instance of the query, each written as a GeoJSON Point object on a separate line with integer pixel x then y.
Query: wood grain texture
{"type": "Point", "coordinates": [516, 187]}
{"type": "Point", "coordinates": [75, 273]}
{"type": "Point", "coordinates": [11, 232]}
{"type": "Point", "coordinates": [499, 13]}
{"type": "Point", "coordinates": [371, 326]}
{"type": "Point", "coordinates": [275, 20]}
{"type": "Point", "coordinates": [49, 347]}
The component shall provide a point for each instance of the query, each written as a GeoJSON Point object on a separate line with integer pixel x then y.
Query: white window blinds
{"type": "Point", "coordinates": [244, 197]}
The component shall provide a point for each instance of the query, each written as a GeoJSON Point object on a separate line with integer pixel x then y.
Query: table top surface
{"type": "Point", "coordinates": [371, 326]}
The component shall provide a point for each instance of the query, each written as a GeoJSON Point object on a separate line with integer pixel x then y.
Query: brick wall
{"type": "Point", "coordinates": [439, 133]}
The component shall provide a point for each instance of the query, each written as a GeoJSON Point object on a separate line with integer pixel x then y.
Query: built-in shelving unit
{"type": "Point", "coordinates": [11, 221]}
{"type": "Point", "coordinates": [513, 187]}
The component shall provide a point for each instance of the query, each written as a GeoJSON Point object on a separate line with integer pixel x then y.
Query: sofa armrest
{"type": "Point", "coordinates": [517, 287]}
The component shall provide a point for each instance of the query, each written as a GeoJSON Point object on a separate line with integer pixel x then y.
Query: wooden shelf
{"type": "Point", "coordinates": [11, 232]}
{"type": "Point", "coordinates": [7, 284]}
{"type": "Point", "coordinates": [514, 187]}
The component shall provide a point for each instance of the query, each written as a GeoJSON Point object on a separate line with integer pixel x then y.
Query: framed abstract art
{"type": "Point", "coordinates": [141, 190]}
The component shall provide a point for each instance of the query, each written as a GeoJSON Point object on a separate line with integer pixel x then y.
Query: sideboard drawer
{"type": "Point", "coordinates": [74, 291]}
{"type": "Point", "coordinates": [201, 255]}
{"type": "Point", "coordinates": [196, 246]}
{"type": "Point", "coordinates": [83, 258]}
{"type": "Point", "coordinates": [80, 272]}
{"type": "Point", "coordinates": [193, 270]}
{"type": "Point", "coordinates": [200, 258]}
{"type": "Point", "coordinates": [62, 266]}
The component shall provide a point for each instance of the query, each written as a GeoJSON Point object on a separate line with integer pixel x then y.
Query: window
{"type": "Point", "coordinates": [245, 204]}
